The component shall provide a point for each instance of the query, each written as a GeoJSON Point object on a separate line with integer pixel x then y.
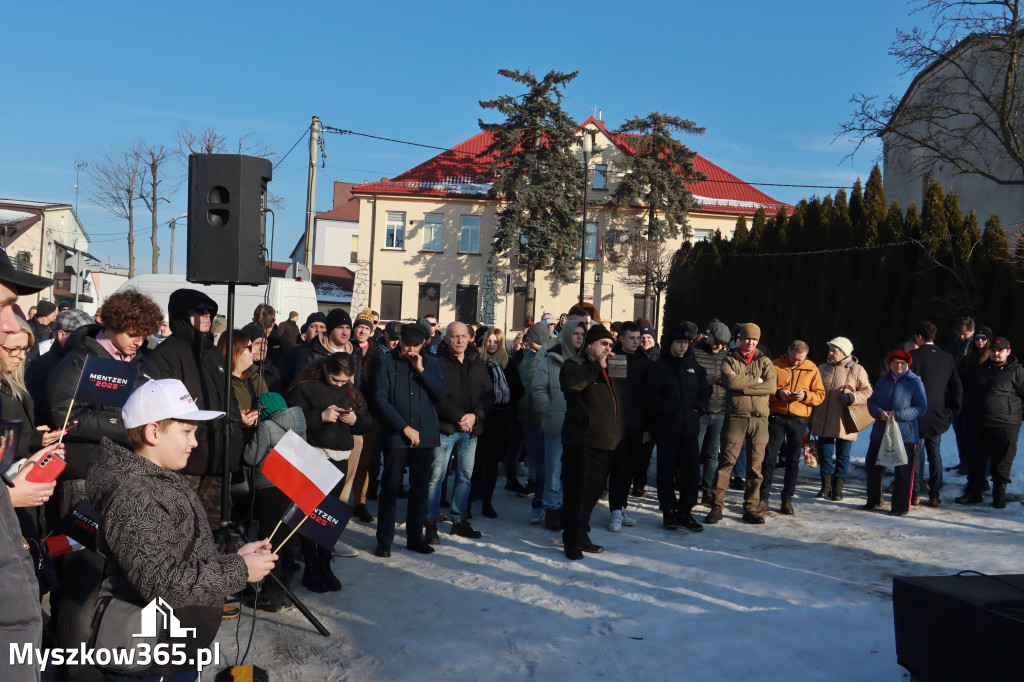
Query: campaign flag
{"type": "Point", "coordinates": [300, 472]}
{"type": "Point", "coordinates": [106, 381]}
{"type": "Point", "coordinates": [58, 545]}
{"type": "Point", "coordinates": [82, 524]}
{"type": "Point", "coordinates": [324, 525]}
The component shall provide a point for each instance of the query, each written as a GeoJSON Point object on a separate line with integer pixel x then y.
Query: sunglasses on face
{"type": "Point", "coordinates": [980, 337]}
{"type": "Point", "coordinates": [203, 310]}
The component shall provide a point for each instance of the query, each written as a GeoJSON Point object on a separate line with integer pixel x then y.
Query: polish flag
{"type": "Point", "coordinates": [59, 545]}
{"type": "Point", "coordinates": [300, 472]}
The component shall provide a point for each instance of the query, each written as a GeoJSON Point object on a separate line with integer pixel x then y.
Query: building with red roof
{"type": "Point", "coordinates": [424, 237]}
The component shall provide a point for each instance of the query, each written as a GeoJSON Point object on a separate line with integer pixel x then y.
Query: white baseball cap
{"type": "Point", "coordinates": [162, 399]}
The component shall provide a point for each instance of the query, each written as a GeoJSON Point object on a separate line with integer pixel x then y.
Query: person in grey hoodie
{"type": "Point", "coordinates": [549, 403]}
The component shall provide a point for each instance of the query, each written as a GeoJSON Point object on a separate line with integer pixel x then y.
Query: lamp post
{"type": "Point", "coordinates": [588, 148]}
{"type": "Point", "coordinates": [173, 220]}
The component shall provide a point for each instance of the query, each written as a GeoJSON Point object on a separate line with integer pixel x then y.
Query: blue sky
{"type": "Point", "coordinates": [770, 81]}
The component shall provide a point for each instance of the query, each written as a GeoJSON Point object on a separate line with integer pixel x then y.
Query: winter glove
{"type": "Point", "coordinates": [846, 398]}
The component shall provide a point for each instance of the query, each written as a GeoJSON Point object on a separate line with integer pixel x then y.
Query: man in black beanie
{"type": "Point", "coordinates": [334, 339]}
{"type": "Point", "coordinates": [591, 431]}
{"type": "Point", "coordinates": [407, 385]}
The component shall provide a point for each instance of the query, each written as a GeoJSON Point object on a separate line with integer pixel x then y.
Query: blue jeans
{"type": "Point", "coordinates": [533, 438]}
{"type": "Point", "coordinates": [834, 456]}
{"type": "Point", "coordinates": [932, 450]}
{"type": "Point", "coordinates": [552, 471]}
{"type": "Point", "coordinates": [464, 446]}
{"type": "Point", "coordinates": [709, 440]}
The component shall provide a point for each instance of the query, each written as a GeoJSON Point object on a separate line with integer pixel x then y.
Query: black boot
{"type": "Point", "coordinates": [999, 495]}
{"type": "Point", "coordinates": [313, 575]}
{"type": "Point", "coordinates": [973, 494]}
{"type": "Point", "coordinates": [837, 489]}
{"type": "Point", "coordinates": [330, 580]}
{"type": "Point", "coordinates": [826, 488]}
{"type": "Point", "coordinates": [430, 537]}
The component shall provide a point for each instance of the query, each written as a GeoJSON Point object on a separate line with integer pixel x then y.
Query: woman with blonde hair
{"type": "Point", "coordinates": [493, 446]}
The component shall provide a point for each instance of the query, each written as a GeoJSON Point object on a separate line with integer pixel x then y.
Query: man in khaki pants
{"type": "Point", "coordinates": [749, 378]}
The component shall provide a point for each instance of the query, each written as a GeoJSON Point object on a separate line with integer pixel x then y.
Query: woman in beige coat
{"type": "Point", "coordinates": [846, 383]}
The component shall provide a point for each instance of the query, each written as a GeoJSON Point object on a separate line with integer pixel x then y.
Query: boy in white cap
{"type": "Point", "coordinates": [153, 531]}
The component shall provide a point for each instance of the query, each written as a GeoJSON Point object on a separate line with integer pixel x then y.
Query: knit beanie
{"type": "Point", "coordinates": [365, 317]}
{"type": "Point", "coordinates": [842, 343]}
{"type": "Point", "coordinates": [596, 333]}
{"type": "Point", "coordinates": [749, 331]}
{"type": "Point", "coordinates": [537, 333]}
{"type": "Point", "coordinates": [337, 318]}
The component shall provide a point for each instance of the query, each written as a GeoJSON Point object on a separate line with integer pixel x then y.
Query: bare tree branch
{"type": "Point", "coordinates": [117, 177]}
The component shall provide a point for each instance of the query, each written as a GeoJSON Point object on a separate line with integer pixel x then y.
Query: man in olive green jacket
{"type": "Point", "coordinates": [749, 379]}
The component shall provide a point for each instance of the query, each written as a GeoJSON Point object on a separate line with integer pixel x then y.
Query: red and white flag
{"type": "Point", "coordinates": [300, 472]}
{"type": "Point", "coordinates": [59, 545]}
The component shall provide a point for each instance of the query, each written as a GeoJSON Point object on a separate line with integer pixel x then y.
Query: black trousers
{"type": "Point", "coordinates": [641, 465]}
{"type": "Point", "coordinates": [996, 443]}
{"type": "Point", "coordinates": [491, 449]}
{"type": "Point", "coordinates": [395, 459]}
{"type": "Point", "coordinates": [584, 471]}
{"type": "Point", "coordinates": [785, 434]}
{"type": "Point", "coordinates": [678, 461]}
{"type": "Point", "coordinates": [625, 460]}
{"type": "Point", "coordinates": [903, 477]}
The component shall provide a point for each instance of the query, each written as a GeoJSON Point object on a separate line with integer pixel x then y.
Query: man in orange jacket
{"type": "Point", "coordinates": [799, 389]}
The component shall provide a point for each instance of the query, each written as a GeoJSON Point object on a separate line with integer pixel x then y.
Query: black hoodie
{"type": "Point", "coordinates": [190, 356]}
{"type": "Point", "coordinates": [677, 394]}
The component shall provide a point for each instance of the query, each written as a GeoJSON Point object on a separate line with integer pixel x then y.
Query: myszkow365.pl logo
{"type": "Point", "coordinates": [157, 616]}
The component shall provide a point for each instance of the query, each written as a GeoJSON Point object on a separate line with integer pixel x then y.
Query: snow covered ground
{"type": "Point", "coordinates": [805, 597]}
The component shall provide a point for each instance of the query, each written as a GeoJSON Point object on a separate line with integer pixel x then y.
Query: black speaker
{"type": "Point", "coordinates": [227, 227]}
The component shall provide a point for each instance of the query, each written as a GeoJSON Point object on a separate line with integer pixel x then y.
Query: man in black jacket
{"type": "Point", "coordinates": [937, 370]}
{"type": "Point", "coordinates": [994, 398]}
{"type": "Point", "coordinates": [592, 429]}
{"type": "Point", "coordinates": [677, 394]}
{"type": "Point", "coordinates": [461, 420]}
{"type": "Point", "coordinates": [38, 371]}
{"type": "Point", "coordinates": [632, 458]}
{"type": "Point", "coordinates": [190, 356]}
{"type": "Point", "coordinates": [318, 348]}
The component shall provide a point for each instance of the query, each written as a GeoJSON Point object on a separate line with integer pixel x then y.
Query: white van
{"type": "Point", "coordinates": [284, 294]}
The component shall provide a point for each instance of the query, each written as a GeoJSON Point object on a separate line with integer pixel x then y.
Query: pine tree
{"type": "Point", "coordinates": [538, 177]}
{"type": "Point", "coordinates": [857, 215]}
{"type": "Point", "coordinates": [767, 240]}
{"type": "Point", "coordinates": [912, 223]}
{"type": "Point", "coordinates": [874, 208]}
{"type": "Point", "coordinates": [658, 174]}
{"type": "Point", "coordinates": [842, 227]}
{"type": "Point", "coordinates": [740, 235]}
{"type": "Point", "coordinates": [894, 228]}
{"type": "Point", "coordinates": [968, 237]}
{"type": "Point", "coordinates": [935, 222]}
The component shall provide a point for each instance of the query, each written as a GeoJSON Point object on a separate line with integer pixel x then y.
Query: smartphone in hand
{"type": "Point", "coordinates": [47, 469]}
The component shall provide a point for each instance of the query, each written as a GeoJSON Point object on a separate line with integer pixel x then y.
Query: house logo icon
{"type": "Point", "coordinates": [158, 615]}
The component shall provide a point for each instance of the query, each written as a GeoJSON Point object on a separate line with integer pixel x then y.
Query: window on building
{"type": "Point", "coordinates": [638, 306]}
{"type": "Point", "coordinates": [601, 176]}
{"type": "Point", "coordinates": [702, 235]}
{"type": "Point", "coordinates": [519, 308]}
{"type": "Point", "coordinates": [354, 258]}
{"type": "Point", "coordinates": [432, 223]}
{"type": "Point", "coordinates": [429, 301]}
{"type": "Point", "coordinates": [390, 300]}
{"type": "Point", "coordinates": [395, 236]}
{"type": "Point", "coordinates": [469, 240]}
{"type": "Point", "coordinates": [590, 242]}
{"type": "Point", "coordinates": [466, 303]}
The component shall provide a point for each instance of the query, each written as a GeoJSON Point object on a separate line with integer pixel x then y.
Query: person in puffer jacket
{"type": "Point", "coordinates": [899, 394]}
{"type": "Point", "coordinates": [549, 403]}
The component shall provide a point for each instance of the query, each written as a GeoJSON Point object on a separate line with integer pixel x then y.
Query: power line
{"type": "Point", "coordinates": [281, 160]}
{"type": "Point", "coordinates": [340, 131]}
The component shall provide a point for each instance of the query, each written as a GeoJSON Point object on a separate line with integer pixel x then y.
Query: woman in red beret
{"type": "Point", "coordinates": [900, 394]}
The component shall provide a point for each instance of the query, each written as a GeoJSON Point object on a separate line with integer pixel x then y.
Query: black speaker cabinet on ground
{"type": "Point", "coordinates": [966, 627]}
{"type": "Point", "coordinates": [227, 195]}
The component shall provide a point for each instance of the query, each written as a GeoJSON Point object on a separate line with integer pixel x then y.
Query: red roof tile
{"type": "Point", "coordinates": [343, 208]}
{"type": "Point", "coordinates": [459, 172]}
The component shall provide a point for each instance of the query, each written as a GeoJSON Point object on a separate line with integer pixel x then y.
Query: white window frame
{"type": "Point", "coordinates": [703, 235]}
{"type": "Point", "coordinates": [590, 242]}
{"type": "Point", "coordinates": [465, 229]}
{"type": "Point", "coordinates": [394, 234]}
{"type": "Point", "coordinates": [433, 232]}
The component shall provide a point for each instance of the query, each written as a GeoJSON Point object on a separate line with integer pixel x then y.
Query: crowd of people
{"type": "Point", "coordinates": [435, 413]}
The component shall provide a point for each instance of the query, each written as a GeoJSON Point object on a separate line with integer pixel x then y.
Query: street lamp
{"type": "Point", "coordinates": [588, 148]}
{"type": "Point", "coordinates": [170, 269]}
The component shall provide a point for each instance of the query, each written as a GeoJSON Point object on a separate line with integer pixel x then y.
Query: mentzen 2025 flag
{"type": "Point", "coordinates": [300, 472]}
{"type": "Point", "coordinates": [82, 524]}
{"type": "Point", "coordinates": [106, 381]}
{"type": "Point", "coordinates": [325, 524]}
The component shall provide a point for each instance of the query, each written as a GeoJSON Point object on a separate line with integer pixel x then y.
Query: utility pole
{"type": "Point", "coordinates": [314, 141]}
